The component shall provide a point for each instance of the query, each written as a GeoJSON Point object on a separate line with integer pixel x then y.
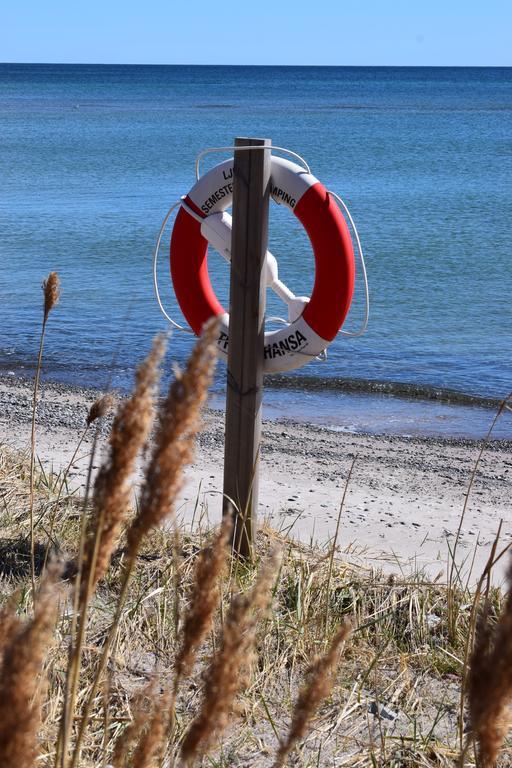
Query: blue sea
{"type": "Point", "coordinates": [92, 157]}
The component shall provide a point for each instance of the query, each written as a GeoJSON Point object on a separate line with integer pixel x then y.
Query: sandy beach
{"type": "Point", "coordinates": [403, 502]}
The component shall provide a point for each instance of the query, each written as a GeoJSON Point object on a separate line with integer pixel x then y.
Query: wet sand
{"type": "Point", "coordinates": [403, 501]}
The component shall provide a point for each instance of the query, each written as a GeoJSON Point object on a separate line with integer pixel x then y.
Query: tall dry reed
{"type": "Point", "coordinates": [151, 744]}
{"type": "Point", "coordinates": [177, 425]}
{"type": "Point", "coordinates": [111, 505]}
{"type": "Point", "coordinates": [51, 293]}
{"type": "Point", "coordinates": [141, 708]}
{"type": "Point", "coordinates": [174, 441]}
{"type": "Point", "coordinates": [98, 410]}
{"type": "Point", "coordinates": [142, 743]}
{"type": "Point", "coordinates": [20, 690]}
{"type": "Point", "coordinates": [228, 670]}
{"type": "Point", "coordinates": [101, 406]}
{"type": "Point", "coordinates": [204, 599]}
{"type": "Point", "coordinates": [319, 682]}
{"type": "Point", "coordinates": [10, 625]}
{"type": "Point", "coordinates": [490, 681]}
{"type": "Point", "coordinates": [113, 489]}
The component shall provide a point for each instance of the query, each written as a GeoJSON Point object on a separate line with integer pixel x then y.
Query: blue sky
{"type": "Point", "coordinates": [334, 32]}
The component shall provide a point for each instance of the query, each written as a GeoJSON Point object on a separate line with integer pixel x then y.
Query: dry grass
{"type": "Point", "coordinates": [51, 293]}
{"type": "Point", "coordinates": [169, 657]}
{"type": "Point", "coordinates": [395, 693]}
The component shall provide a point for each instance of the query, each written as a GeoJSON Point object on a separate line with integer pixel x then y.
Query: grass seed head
{"type": "Point", "coordinates": [204, 599]}
{"type": "Point", "coordinates": [178, 424]}
{"type": "Point", "coordinates": [112, 490]}
{"type": "Point", "coordinates": [151, 745]}
{"type": "Point", "coordinates": [490, 681]}
{"type": "Point", "coordinates": [228, 670]}
{"type": "Point", "coordinates": [51, 290]}
{"type": "Point", "coordinates": [130, 735]}
{"type": "Point", "coordinates": [144, 738]}
{"type": "Point", "coordinates": [100, 408]}
{"type": "Point", "coordinates": [318, 686]}
{"type": "Point", "coordinates": [24, 653]}
{"type": "Point", "coordinates": [10, 625]}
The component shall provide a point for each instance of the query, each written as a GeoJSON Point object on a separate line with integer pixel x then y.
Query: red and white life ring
{"type": "Point", "coordinates": [202, 219]}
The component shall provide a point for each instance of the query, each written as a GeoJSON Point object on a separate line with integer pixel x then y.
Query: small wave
{"type": "Point", "coordinates": [372, 386]}
{"type": "Point", "coordinates": [414, 108]}
{"type": "Point", "coordinates": [213, 106]}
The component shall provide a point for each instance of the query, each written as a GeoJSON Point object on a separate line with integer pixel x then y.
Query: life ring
{"type": "Point", "coordinates": [202, 219]}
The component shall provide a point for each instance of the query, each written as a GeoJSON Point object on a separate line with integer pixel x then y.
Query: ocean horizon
{"type": "Point", "coordinates": [93, 156]}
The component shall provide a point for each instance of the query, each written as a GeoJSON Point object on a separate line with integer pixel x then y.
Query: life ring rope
{"type": "Point", "coordinates": [211, 150]}
{"type": "Point", "coordinates": [364, 324]}
{"type": "Point", "coordinates": [155, 272]}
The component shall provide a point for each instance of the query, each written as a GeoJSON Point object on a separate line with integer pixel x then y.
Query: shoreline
{"type": "Point", "coordinates": [347, 406]}
{"type": "Point", "coordinates": [403, 502]}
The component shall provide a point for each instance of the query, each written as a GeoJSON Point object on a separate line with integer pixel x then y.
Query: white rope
{"type": "Point", "coordinates": [364, 325]}
{"type": "Point", "coordinates": [155, 276]}
{"type": "Point", "coordinates": [242, 149]}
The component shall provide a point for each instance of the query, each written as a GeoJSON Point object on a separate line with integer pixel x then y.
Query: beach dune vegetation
{"type": "Point", "coordinates": [127, 640]}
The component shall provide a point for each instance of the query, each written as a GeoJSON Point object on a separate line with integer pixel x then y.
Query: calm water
{"type": "Point", "coordinates": [91, 157]}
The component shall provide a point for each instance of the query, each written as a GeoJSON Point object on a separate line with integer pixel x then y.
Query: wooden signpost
{"type": "Point", "coordinates": [201, 220]}
{"type": "Point", "coordinates": [251, 191]}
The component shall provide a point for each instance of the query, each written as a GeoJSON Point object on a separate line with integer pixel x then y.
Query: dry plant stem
{"type": "Point", "coordinates": [51, 297]}
{"type": "Point", "coordinates": [317, 688]}
{"type": "Point", "coordinates": [335, 543]}
{"type": "Point", "coordinates": [133, 733]}
{"type": "Point", "coordinates": [227, 673]}
{"type": "Point", "coordinates": [177, 558]}
{"type": "Point", "coordinates": [10, 625]}
{"type": "Point", "coordinates": [500, 410]}
{"type": "Point", "coordinates": [151, 744]}
{"type": "Point", "coordinates": [111, 497]}
{"type": "Point", "coordinates": [486, 576]}
{"type": "Point", "coordinates": [98, 409]}
{"type": "Point", "coordinates": [106, 719]}
{"type": "Point", "coordinates": [86, 714]}
{"type": "Point", "coordinates": [75, 660]}
{"type": "Point", "coordinates": [178, 420]}
{"type": "Point", "coordinates": [33, 460]}
{"type": "Point", "coordinates": [79, 620]}
{"type": "Point", "coordinates": [176, 553]}
{"type": "Point", "coordinates": [113, 485]}
{"type": "Point", "coordinates": [203, 602]}
{"type": "Point", "coordinates": [204, 599]}
{"type": "Point", "coordinates": [59, 494]}
{"type": "Point", "coordinates": [70, 685]}
{"type": "Point", "coordinates": [20, 705]}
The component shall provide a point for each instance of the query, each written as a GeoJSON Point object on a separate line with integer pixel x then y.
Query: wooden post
{"type": "Point", "coordinates": [251, 189]}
